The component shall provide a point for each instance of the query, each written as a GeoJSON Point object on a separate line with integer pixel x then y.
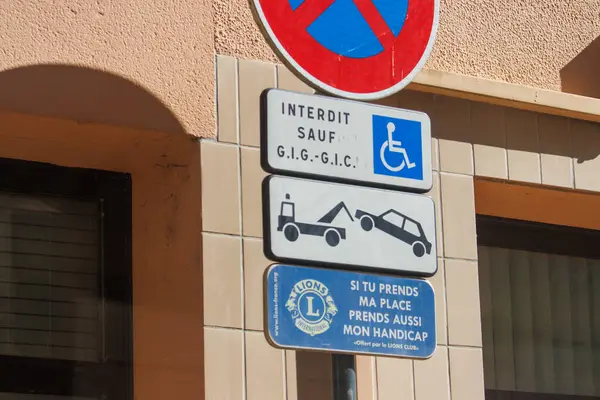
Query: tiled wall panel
{"type": "Point", "coordinates": [468, 139]}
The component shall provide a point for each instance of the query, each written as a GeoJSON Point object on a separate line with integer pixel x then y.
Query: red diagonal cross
{"type": "Point", "coordinates": [310, 10]}
{"type": "Point", "coordinates": [376, 22]}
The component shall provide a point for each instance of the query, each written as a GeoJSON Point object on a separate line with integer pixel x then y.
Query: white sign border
{"type": "Point", "coordinates": [274, 343]}
{"type": "Point", "coordinates": [266, 230]}
{"type": "Point", "coordinates": [264, 152]}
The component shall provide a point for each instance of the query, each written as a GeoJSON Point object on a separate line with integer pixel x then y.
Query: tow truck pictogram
{"type": "Point", "coordinates": [292, 229]}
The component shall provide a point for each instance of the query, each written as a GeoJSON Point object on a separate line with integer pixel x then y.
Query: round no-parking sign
{"type": "Point", "coordinates": [359, 49]}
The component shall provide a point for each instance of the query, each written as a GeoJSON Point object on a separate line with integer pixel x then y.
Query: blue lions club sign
{"type": "Point", "coordinates": [349, 312]}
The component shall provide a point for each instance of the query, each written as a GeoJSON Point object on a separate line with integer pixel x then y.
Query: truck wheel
{"type": "Point", "coordinates": [418, 249]}
{"type": "Point", "coordinates": [366, 223]}
{"type": "Point", "coordinates": [291, 232]}
{"type": "Point", "coordinates": [332, 238]}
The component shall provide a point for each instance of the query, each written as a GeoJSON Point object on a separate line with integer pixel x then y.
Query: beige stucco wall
{"type": "Point", "coordinates": [164, 46]}
{"type": "Point", "coordinates": [521, 41]}
{"type": "Point", "coordinates": [167, 48]}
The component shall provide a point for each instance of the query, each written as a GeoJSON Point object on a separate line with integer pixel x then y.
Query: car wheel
{"type": "Point", "coordinates": [418, 249]}
{"type": "Point", "coordinates": [291, 232]}
{"type": "Point", "coordinates": [366, 223]}
{"type": "Point", "coordinates": [332, 238]}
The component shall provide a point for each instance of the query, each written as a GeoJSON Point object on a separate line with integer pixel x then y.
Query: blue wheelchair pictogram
{"type": "Point", "coordinates": [344, 30]}
{"type": "Point", "coordinates": [397, 147]}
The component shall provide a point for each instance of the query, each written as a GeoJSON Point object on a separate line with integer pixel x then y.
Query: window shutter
{"type": "Point", "coordinates": [540, 322]}
{"type": "Point", "coordinates": [540, 297]}
{"type": "Point", "coordinates": [50, 278]}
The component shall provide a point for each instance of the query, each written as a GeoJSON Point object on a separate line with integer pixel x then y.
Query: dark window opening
{"type": "Point", "coordinates": [540, 310]}
{"type": "Point", "coordinates": [65, 283]}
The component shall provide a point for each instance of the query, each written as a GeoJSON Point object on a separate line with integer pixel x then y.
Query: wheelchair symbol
{"type": "Point", "coordinates": [395, 147]}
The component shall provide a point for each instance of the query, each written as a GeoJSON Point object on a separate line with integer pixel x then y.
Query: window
{"type": "Point", "coordinates": [287, 209]}
{"type": "Point", "coordinates": [394, 218]}
{"type": "Point", "coordinates": [540, 307]}
{"type": "Point", "coordinates": [65, 283]}
{"type": "Point", "coordinates": [412, 228]}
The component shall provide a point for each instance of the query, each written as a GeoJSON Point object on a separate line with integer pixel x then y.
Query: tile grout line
{"type": "Point", "coordinates": [446, 315]}
{"type": "Point", "coordinates": [455, 174]}
{"type": "Point", "coordinates": [229, 144]}
{"type": "Point", "coordinates": [445, 290]}
{"type": "Point", "coordinates": [463, 346]}
{"type": "Point", "coordinates": [236, 93]}
{"type": "Point", "coordinates": [241, 234]}
{"type": "Point", "coordinates": [374, 369]}
{"type": "Point", "coordinates": [445, 282]}
{"type": "Point", "coordinates": [443, 238]}
{"type": "Point", "coordinates": [441, 259]}
{"type": "Point", "coordinates": [447, 327]}
{"type": "Point", "coordinates": [233, 235]}
{"type": "Point", "coordinates": [449, 373]}
{"type": "Point", "coordinates": [242, 283]}
{"type": "Point", "coordinates": [441, 222]}
{"type": "Point", "coordinates": [216, 95]}
{"type": "Point", "coordinates": [414, 382]}
{"type": "Point", "coordinates": [227, 328]}
{"type": "Point", "coordinates": [284, 375]}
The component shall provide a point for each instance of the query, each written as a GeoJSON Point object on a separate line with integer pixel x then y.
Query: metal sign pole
{"type": "Point", "coordinates": [344, 377]}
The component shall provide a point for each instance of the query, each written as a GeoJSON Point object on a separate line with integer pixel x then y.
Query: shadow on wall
{"type": "Point", "coordinates": [582, 74]}
{"type": "Point", "coordinates": [84, 95]}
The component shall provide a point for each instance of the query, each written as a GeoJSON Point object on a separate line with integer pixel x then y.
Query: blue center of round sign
{"type": "Point", "coordinates": [343, 29]}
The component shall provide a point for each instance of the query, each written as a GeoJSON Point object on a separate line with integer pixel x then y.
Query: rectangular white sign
{"type": "Point", "coordinates": [306, 221]}
{"type": "Point", "coordinates": [318, 136]}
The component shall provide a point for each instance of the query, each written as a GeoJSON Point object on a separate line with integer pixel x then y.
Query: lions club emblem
{"type": "Point", "coordinates": [311, 306]}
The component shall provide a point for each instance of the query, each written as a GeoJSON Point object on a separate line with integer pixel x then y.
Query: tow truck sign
{"type": "Point", "coordinates": [344, 140]}
{"type": "Point", "coordinates": [308, 222]}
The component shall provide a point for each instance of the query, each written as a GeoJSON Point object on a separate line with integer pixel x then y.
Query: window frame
{"type": "Point", "coordinates": [541, 237]}
{"type": "Point", "coordinates": [415, 225]}
{"type": "Point", "coordinates": [112, 377]}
